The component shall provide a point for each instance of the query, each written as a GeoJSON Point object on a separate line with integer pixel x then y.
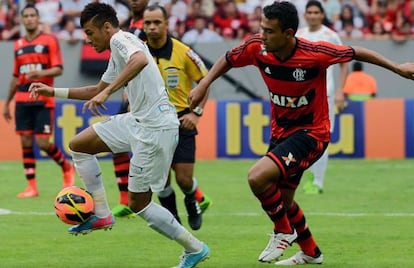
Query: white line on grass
{"type": "Point", "coordinates": [4, 211]}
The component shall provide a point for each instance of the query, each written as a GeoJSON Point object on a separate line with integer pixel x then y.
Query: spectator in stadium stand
{"type": "Point", "coordinates": [360, 8]}
{"type": "Point", "coordinates": [229, 21]}
{"type": "Point", "coordinates": [73, 9]}
{"type": "Point", "coordinates": [194, 10]}
{"type": "Point", "coordinates": [359, 86]}
{"type": "Point", "coordinates": [200, 33]}
{"type": "Point", "coordinates": [383, 12]}
{"type": "Point", "coordinates": [376, 32]}
{"type": "Point", "coordinates": [350, 32]}
{"type": "Point", "coordinates": [332, 9]}
{"type": "Point", "coordinates": [51, 14]}
{"type": "Point", "coordinates": [9, 13]}
{"type": "Point", "coordinates": [70, 33]}
{"type": "Point", "coordinates": [404, 24]}
{"type": "Point", "coordinates": [347, 18]}
{"type": "Point", "coordinates": [253, 28]}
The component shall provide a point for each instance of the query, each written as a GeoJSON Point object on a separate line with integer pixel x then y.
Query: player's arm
{"type": "Point", "coordinates": [53, 71]}
{"type": "Point", "coordinates": [200, 92]}
{"type": "Point", "coordinates": [134, 66]}
{"type": "Point", "coordinates": [12, 91]}
{"type": "Point", "coordinates": [363, 54]}
{"type": "Point", "coordinates": [78, 93]}
{"type": "Point", "coordinates": [339, 95]}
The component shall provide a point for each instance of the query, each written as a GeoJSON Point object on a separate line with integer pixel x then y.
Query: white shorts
{"type": "Point", "coordinates": [152, 150]}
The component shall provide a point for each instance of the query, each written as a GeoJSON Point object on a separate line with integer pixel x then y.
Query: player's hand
{"type": "Point", "coordinates": [189, 121]}
{"type": "Point", "coordinates": [406, 70]}
{"type": "Point", "coordinates": [33, 75]}
{"type": "Point", "coordinates": [196, 96]}
{"type": "Point", "coordinates": [39, 89]}
{"type": "Point", "coordinates": [96, 103]}
{"type": "Point", "coordinates": [340, 100]}
{"type": "Point", "coordinates": [6, 113]}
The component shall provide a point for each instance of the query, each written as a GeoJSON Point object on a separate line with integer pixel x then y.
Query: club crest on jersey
{"type": "Point", "coordinates": [289, 101]}
{"type": "Point", "coordinates": [299, 74]}
{"type": "Point", "coordinates": [39, 48]}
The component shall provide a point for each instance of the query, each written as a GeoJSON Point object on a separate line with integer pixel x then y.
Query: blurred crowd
{"type": "Point", "coordinates": [195, 21]}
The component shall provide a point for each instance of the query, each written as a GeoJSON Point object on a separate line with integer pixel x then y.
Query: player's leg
{"type": "Point", "coordinates": [203, 200]}
{"type": "Point", "coordinates": [121, 168]}
{"type": "Point", "coordinates": [148, 173]}
{"type": "Point", "coordinates": [43, 130]}
{"type": "Point", "coordinates": [29, 165]}
{"type": "Point", "coordinates": [24, 128]}
{"type": "Point", "coordinates": [167, 198]}
{"type": "Point", "coordinates": [264, 183]}
{"type": "Point", "coordinates": [310, 150]}
{"type": "Point", "coordinates": [274, 180]}
{"type": "Point", "coordinates": [184, 178]}
{"type": "Point", "coordinates": [106, 136]}
{"type": "Point", "coordinates": [310, 252]}
{"type": "Point", "coordinates": [318, 170]}
{"type": "Point", "coordinates": [183, 165]}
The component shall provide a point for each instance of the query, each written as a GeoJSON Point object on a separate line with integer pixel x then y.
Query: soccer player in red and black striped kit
{"type": "Point", "coordinates": [294, 71]}
{"type": "Point", "coordinates": [37, 58]}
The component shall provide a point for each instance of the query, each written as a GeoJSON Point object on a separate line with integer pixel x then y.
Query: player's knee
{"type": "Point", "coordinates": [254, 178]}
{"type": "Point", "coordinates": [138, 201]}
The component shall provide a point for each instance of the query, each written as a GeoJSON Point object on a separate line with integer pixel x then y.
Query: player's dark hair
{"type": "Point", "coordinates": [285, 12]}
{"type": "Point", "coordinates": [29, 6]}
{"type": "Point", "coordinates": [99, 13]}
{"type": "Point", "coordinates": [157, 6]}
{"type": "Point", "coordinates": [315, 3]}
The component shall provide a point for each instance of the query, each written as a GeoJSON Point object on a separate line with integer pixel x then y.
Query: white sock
{"type": "Point", "coordinates": [318, 169]}
{"type": "Point", "coordinates": [161, 220]}
{"type": "Point", "coordinates": [90, 173]}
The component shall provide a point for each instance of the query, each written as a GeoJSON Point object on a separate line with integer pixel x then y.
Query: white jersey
{"type": "Point", "coordinates": [328, 35]}
{"type": "Point", "coordinates": [147, 95]}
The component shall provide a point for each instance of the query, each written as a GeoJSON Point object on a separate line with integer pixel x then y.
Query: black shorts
{"type": "Point", "coordinates": [34, 118]}
{"type": "Point", "coordinates": [185, 151]}
{"type": "Point", "coordinates": [293, 155]}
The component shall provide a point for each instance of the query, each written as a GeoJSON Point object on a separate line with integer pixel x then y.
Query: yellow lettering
{"type": "Point", "coordinates": [346, 141]}
{"type": "Point", "coordinates": [233, 137]}
{"type": "Point", "coordinates": [255, 122]}
{"type": "Point", "coordinates": [69, 122]}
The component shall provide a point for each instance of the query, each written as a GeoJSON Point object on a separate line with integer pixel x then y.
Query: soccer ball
{"type": "Point", "coordinates": [74, 205]}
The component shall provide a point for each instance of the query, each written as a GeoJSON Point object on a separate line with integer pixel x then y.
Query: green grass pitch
{"type": "Point", "coordinates": [363, 219]}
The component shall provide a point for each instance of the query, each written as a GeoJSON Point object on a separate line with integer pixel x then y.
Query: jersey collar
{"type": "Point", "coordinates": [164, 52]}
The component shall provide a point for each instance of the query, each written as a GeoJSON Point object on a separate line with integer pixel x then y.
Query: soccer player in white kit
{"type": "Point", "coordinates": [317, 31]}
{"type": "Point", "coordinates": [149, 130]}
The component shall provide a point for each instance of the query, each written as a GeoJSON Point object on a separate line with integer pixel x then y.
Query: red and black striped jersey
{"type": "Point", "coordinates": [297, 85]}
{"type": "Point", "coordinates": [41, 53]}
{"type": "Point", "coordinates": [137, 27]}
